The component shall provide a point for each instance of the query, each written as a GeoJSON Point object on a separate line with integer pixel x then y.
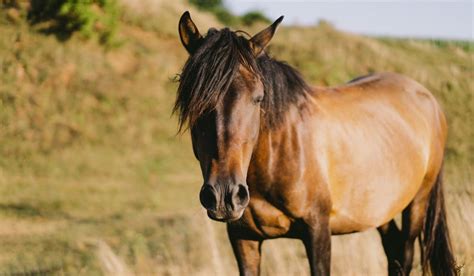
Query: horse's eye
{"type": "Point", "coordinates": [258, 99]}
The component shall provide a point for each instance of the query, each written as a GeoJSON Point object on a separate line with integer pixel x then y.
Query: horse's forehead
{"type": "Point", "coordinates": [247, 75]}
{"type": "Point", "coordinates": [212, 31]}
{"type": "Point", "coordinates": [246, 72]}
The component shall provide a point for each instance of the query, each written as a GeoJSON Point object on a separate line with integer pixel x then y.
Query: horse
{"type": "Point", "coordinates": [281, 158]}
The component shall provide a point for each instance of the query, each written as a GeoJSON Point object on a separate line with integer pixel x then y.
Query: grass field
{"type": "Point", "coordinates": [94, 179]}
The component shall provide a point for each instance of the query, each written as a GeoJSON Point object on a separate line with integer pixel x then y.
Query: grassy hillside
{"type": "Point", "coordinates": [94, 179]}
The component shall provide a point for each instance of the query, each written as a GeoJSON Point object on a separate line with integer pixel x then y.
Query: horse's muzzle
{"type": "Point", "coordinates": [224, 206]}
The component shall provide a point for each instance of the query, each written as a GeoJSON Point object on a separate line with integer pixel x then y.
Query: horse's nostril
{"type": "Point", "coordinates": [242, 196]}
{"type": "Point", "coordinates": [208, 197]}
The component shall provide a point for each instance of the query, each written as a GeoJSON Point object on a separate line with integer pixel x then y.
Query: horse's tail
{"type": "Point", "coordinates": [436, 250]}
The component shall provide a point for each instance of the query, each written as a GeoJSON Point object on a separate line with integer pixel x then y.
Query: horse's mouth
{"type": "Point", "coordinates": [225, 217]}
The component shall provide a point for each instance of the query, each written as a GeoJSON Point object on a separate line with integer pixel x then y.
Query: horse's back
{"type": "Point", "coordinates": [384, 135]}
{"type": "Point", "coordinates": [409, 98]}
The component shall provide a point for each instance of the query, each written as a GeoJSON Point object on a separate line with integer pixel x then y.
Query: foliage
{"type": "Point", "coordinates": [92, 18]}
{"type": "Point", "coordinates": [252, 17]}
{"type": "Point", "coordinates": [218, 9]}
{"type": "Point", "coordinates": [225, 16]}
{"type": "Point", "coordinates": [207, 4]}
{"type": "Point", "coordinates": [465, 45]}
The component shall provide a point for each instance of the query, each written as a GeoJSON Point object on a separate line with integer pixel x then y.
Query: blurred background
{"type": "Point", "coordinates": [94, 179]}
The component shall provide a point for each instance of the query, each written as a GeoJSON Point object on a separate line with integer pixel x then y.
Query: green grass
{"type": "Point", "coordinates": [89, 151]}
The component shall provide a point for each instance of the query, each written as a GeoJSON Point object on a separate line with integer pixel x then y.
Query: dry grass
{"type": "Point", "coordinates": [93, 179]}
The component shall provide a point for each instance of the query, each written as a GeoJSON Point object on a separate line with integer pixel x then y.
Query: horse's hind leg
{"type": "Point", "coordinates": [399, 245]}
{"type": "Point", "coordinates": [393, 246]}
{"type": "Point", "coordinates": [412, 224]}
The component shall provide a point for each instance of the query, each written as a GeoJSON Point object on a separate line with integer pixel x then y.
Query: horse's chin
{"type": "Point", "coordinates": [227, 217]}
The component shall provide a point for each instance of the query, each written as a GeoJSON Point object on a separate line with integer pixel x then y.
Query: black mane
{"type": "Point", "coordinates": [208, 73]}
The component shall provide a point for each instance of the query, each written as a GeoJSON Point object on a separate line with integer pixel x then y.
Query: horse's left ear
{"type": "Point", "coordinates": [259, 41]}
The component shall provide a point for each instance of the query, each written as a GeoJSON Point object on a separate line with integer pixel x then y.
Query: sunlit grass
{"type": "Point", "coordinates": [89, 153]}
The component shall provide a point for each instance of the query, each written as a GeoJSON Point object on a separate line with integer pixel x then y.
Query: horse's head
{"type": "Point", "coordinates": [219, 97]}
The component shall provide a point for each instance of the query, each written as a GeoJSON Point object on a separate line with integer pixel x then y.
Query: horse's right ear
{"type": "Point", "coordinates": [189, 33]}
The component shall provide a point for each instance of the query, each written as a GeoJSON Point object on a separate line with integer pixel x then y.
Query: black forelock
{"type": "Point", "coordinates": [208, 73]}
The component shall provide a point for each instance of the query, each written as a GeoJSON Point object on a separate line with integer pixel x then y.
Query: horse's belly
{"type": "Point", "coordinates": [372, 178]}
{"type": "Point", "coordinates": [371, 205]}
{"type": "Point", "coordinates": [371, 187]}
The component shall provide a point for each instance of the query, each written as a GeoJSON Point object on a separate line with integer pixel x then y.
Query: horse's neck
{"type": "Point", "coordinates": [278, 146]}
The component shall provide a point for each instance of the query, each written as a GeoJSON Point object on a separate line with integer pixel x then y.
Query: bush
{"type": "Point", "coordinates": [252, 17]}
{"type": "Point", "coordinates": [207, 4]}
{"type": "Point", "coordinates": [218, 9]}
{"type": "Point", "coordinates": [92, 18]}
{"type": "Point", "coordinates": [226, 17]}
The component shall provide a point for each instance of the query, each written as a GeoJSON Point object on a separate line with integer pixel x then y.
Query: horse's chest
{"type": "Point", "coordinates": [274, 214]}
{"type": "Point", "coordinates": [266, 220]}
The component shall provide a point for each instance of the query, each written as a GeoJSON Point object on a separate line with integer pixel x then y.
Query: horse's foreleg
{"type": "Point", "coordinates": [247, 253]}
{"type": "Point", "coordinates": [317, 240]}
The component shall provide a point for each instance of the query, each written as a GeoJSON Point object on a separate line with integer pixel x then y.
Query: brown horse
{"type": "Point", "coordinates": [280, 158]}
